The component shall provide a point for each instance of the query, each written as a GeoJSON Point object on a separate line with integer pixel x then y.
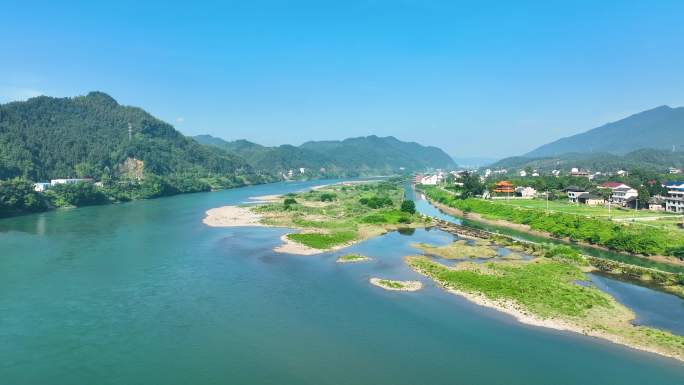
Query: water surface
{"type": "Point", "coordinates": [144, 293]}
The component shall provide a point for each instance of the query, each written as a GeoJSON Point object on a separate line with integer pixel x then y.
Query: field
{"type": "Point", "coordinates": [639, 237]}
{"type": "Point", "coordinates": [589, 211]}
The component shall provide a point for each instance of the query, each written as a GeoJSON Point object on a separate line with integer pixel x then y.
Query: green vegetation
{"type": "Point", "coordinates": [391, 284]}
{"type": "Point", "coordinates": [460, 249]}
{"type": "Point", "coordinates": [408, 206]}
{"type": "Point", "coordinates": [548, 289]}
{"type": "Point", "coordinates": [17, 196]}
{"type": "Point", "coordinates": [352, 258]}
{"type": "Point", "coordinates": [323, 241]}
{"type": "Point", "coordinates": [615, 236]}
{"type": "Point", "coordinates": [543, 286]}
{"type": "Point", "coordinates": [87, 137]}
{"type": "Point", "coordinates": [369, 155]}
{"type": "Point", "coordinates": [358, 211]}
{"type": "Point", "coordinates": [563, 206]}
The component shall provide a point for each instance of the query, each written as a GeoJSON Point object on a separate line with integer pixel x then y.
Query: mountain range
{"type": "Point", "coordinates": [652, 140]}
{"type": "Point", "coordinates": [362, 155]}
{"type": "Point", "coordinates": [660, 128]}
{"type": "Point", "coordinates": [94, 136]}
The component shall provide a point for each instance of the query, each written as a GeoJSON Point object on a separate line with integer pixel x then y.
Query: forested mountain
{"type": "Point", "coordinates": [363, 155]}
{"type": "Point", "coordinates": [645, 159]}
{"type": "Point", "coordinates": [46, 137]}
{"type": "Point", "coordinates": [275, 159]}
{"type": "Point", "coordinates": [386, 153]}
{"type": "Point", "coordinates": [659, 128]}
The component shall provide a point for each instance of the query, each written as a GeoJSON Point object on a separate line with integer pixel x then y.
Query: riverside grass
{"type": "Point", "coordinates": [460, 249]}
{"type": "Point", "coordinates": [348, 258]}
{"type": "Point", "coordinates": [544, 292]}
{"type": "Point", "coordinates": [339, 215]}
{"type": "Point", "coordinates": [616, 236]}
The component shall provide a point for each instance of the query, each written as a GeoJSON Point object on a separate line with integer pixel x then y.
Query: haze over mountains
{"type": "Point", "coordinates": [652, 139]}
{"type": "Point", "coordinates": [659, 128]}
{"type": "Point", "coordinates": [46, 137]}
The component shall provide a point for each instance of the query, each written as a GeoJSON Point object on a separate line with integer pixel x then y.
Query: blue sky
{"type": "Point", "coordinates": [477, 78]}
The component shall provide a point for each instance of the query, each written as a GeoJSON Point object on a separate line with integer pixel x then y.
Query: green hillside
{"type": "Point", "coordinates": [645, 159]}
{"type": "Point", "coordinates": [46, 137]}
{"type": "Point", "coordinates": [660, 128]}
{"type": "Point", "coordinates": [354, 156]}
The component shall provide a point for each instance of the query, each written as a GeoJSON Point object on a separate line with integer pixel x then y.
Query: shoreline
{"type": "Point", "coordinates": [524, 317]}
{"type": "Point", "coordinates": [526, 229]}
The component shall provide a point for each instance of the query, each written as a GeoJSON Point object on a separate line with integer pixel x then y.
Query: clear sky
{"type": "Point", "coordinates": [477, 78]}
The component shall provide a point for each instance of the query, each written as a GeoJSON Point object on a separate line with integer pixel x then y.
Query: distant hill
{"type": "Point", "coordinates": [382, 153]}
{"type": "Point", "coordinates": [277, 159]}
{"type": "Point", "coordinates": [659, 128]}
{"type": "Point", "coordinates": [362, 155]}
{"type": "Point", "coordinates": [474, 162]}
{"type": "Point", "coordinates": [645, 159]}
{"type": "Point", "coordinates": [46, 137]}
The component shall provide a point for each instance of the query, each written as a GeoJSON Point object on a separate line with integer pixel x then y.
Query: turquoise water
{"type": "Point", "coordinates": [144, 293]}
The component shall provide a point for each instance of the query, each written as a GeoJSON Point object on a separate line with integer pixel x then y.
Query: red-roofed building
{"type": "Point", "coordinates": [612, 185]}
{"type": "Point", "coordinates": [504, 187]}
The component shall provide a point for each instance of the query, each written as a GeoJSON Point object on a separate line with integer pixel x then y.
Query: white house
{"type": "Point", "coordinates": [523, 173]}
{"type": "Point", "coordinates": [41, 186]}
{"type": "Point", "coordinates": [431, 179]}
{"type": "Point", "coordinates": [674, 202]}
{"type": "Point", "coordinates": [525, 192]}
{"type": "Point", "coordinates": [622, 194]}
{"type": "Point", "coordinates": [575, 193]}
{"type": "Point", "coordinates": [55, 182]}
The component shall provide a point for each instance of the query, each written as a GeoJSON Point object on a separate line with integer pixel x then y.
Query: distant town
{"type": "Point", "coordinates": [644, 191]}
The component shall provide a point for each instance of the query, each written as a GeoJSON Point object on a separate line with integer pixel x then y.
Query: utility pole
{"type": "Point", "coordinates": [547, 201]}
{"type": "Point", "coordinates": [609, 215]}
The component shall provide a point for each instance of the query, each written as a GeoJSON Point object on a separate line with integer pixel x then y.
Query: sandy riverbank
{"type": "Point", "coordinates": [231, 216]}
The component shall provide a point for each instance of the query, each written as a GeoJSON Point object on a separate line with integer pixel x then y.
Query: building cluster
{"type": "Point", "coordinates": [42, 186]}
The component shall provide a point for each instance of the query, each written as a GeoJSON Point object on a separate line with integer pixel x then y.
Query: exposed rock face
{"type": "Point", "coordinates": [132, 168]}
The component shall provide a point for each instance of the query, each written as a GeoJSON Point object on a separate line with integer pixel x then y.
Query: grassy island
{"type": "Point", "coordinates": [546, 291]}
{"type": "Point", "coordinates": [336, 216]}
{"type": "Point", "coordinates": [351, 258]}
{"type": "Point", "coordinates": [460, 249]}
{"type": "Point", "coordinates": [389, 284]}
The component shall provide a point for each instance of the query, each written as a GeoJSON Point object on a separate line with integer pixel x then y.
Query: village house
{"type": "Point", "coordinates": [674, 202]}
{"type": "Point", "coordinates": [431, 180]}
{"type": "Point", "coordinates": [621, 195]}
{"type": "Point", "coordinates": [55, 182]}
{"type": "Point", "coordinates": [41, 186]}
{"type": "Point", "coordinates": [525, 192]}
{"type": "Point", "coordinates": [590, 199]}
{"type": "Point", "coordinates": [656, 203]}
{"type": "Point", "coordinates": [673, 170]}
{"type": "Point", "coordinates": [574, 193]}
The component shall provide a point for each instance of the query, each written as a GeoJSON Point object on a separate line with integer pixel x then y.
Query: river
{"type": "Point", "coordinates": [144, 293]}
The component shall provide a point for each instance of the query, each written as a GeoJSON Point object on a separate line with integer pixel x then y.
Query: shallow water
{"type": "Point", "coordinates": [144, 293]}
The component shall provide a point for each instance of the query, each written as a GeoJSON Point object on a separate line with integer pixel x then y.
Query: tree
{"type": "Point", "coordinates": [471, 186]}
{"type": "Point", "coordinates": [644, 197]}
{"type": "Point", "coordinates": [408, 206]}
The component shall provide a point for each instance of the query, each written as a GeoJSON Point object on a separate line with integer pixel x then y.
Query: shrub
{"type": "Point", "coordinates": [408, 206]}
